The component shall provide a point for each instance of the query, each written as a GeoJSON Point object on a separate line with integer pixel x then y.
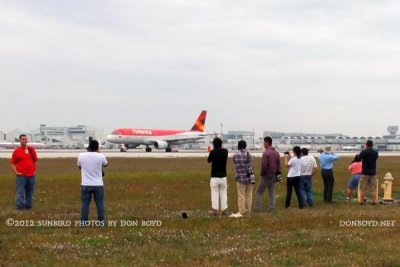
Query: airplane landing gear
{"type": "Point", "coordinates": [148, 149]}
{"type": "Point", "coordinates": [168, 149]}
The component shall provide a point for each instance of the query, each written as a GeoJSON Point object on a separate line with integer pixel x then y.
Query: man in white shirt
{"type": "Point", "coordinates": [91, 164]}
{"type": "Point", "coordinates": [308, 169]}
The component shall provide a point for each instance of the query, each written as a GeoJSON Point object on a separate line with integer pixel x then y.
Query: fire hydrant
{"type": "Point", "coordinates": [387, 187]}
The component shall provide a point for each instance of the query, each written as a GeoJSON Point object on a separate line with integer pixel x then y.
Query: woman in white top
{"type": "Point", "coordinates": [293, 178]}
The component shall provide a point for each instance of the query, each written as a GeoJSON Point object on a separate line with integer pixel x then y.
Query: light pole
{"type": "Point", "coordinates": [253, 138]}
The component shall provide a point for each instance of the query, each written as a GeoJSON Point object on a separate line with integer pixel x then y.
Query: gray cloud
{"type": "Point", "coordinates": [312, 66]}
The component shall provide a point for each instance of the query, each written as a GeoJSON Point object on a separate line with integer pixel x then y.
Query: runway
{"type": "Point", "coordinates": [137, 153]}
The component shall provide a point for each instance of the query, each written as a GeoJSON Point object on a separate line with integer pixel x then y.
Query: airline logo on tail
{"type": "Point", "coordinates": [200, 122]}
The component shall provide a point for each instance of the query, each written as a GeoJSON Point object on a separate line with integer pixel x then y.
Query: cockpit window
{"type": "Point", "coordinates": [116, 133]}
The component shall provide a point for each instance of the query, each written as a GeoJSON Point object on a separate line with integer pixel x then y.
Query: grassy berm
{"type": "Point", "coordinates": [155, 192]}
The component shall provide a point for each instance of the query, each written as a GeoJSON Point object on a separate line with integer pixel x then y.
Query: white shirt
{"type": "Point", "coordinates": [309, 163]}
{"type": "Point", "coordinates": [295, 167]}
{"type": "Point", "coordinates": [91, 164]}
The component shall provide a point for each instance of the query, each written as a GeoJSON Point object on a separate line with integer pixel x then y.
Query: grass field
{"type": "Point", "coordinates": [158, 190]}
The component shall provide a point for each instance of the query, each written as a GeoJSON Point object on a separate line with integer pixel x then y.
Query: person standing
{"type": "Point", "coordinates": [368, 177]}
{"type": "Point", "coordinates": [270, 167]}
{"type": "Point", "coordinates": [326, 159]}
{"type": "Point", "coordinates": [355, 169]}
{"type": "Point", "coordinates": [308, 169]}
{"type": "Point", "coordinates": [293, 178]}
{"type": "Point", "coordinates": [23, 163]}
{"type": "Point", "coordinates": [91, 164]}
{"type": "Point", "coordinates": [219, 186]}
{"type": "Point", "coordinates": [243, 167]}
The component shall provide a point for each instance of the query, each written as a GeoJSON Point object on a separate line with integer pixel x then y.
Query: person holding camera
{"type": "Point", "coordinates": [355, 169]}
{"type": "Point", "coordinates": [244, 177]}
{"type": "Point", "coordinates": [368, 156]}
{"type": "Point", "coordinates": [218, 183]}
{"type": "Point", "coordinates": [91, 164]}
{"type": "Point", "coordinates": [293, 179]}
{"type": "Point", "coordinates": [326, 159]}
{"type": "Point", "coordinates": [270, 167]}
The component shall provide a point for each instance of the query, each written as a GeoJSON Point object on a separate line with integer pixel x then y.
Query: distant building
{"type": "Point", "coordinates": [57, 136]}
{"type": "Point", "coordinates": [337, 141]}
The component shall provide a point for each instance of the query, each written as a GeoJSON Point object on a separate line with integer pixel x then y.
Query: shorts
{"type": "Point", "coordinates": [353, 183]}
{"type": "Point", "coordinates": [368, 181]}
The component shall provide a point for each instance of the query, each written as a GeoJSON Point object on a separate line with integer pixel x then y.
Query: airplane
{"type": "Point", "coordinates": [350, 148]}
{"type": "Point", "coordinates": [11, 145]}
{"type": "Point", "coordinates": [160, 139]}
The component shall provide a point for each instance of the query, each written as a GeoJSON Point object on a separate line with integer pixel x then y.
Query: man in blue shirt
{"type": "Point", "coordinates": [326, 159]}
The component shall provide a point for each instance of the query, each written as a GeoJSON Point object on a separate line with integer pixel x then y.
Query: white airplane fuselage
{"type": "Point", "coordinates": [160, 139]}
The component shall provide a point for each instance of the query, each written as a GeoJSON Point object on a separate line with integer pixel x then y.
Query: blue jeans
{"type": "Point", "coordinates": [306, 189]}
{"type": "Point", "coordinates": [353, 183]}
{"type": "Point", "coordinates": [25, 187]}
{"type": "Point", "coordinates": [86, 196]}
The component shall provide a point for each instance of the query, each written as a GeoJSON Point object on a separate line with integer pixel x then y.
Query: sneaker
{"type": "Point", "coordinates": [236, 215]}
{"type": "Point", "coordinates": [348, 198]}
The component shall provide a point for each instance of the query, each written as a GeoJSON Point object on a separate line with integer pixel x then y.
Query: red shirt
{"type": "Point", "coordinates": [24, 159]}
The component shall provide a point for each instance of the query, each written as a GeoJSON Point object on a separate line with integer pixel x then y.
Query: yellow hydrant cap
{"type": "Point", "coordinates": [388, 176]}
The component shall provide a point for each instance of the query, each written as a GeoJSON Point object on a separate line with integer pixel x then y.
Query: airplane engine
{"type": "Point", "coordinates": [160, 144]}
{"type": "Point", "coordinates": [130, 146]}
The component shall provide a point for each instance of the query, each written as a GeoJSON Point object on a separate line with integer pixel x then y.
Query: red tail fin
{"type": "Point", "coordinates": [199, 124]}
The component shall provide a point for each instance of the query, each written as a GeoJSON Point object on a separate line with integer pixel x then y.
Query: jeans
{"type": "Point", "coordinates": [264, 184]}
{"type": "Point", "coordinates": [306, 189]}
{"type": "Point", "coordinates": [293, 182]}
{"type": "Point", "coordinates": [219, 193]}
{"type": "Point", "coordinates": [86, 196]}
{"type": "Point", "coordinates": [25, 187]}
{"type": "Point", "coordinates": [329, 182]}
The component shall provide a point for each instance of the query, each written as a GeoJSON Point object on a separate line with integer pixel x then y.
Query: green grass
{"type": "Point", "coordinates": [139, 190]}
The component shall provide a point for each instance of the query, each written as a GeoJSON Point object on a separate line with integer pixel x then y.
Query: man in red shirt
{"type": "Point", "coordinates": [23, 162]}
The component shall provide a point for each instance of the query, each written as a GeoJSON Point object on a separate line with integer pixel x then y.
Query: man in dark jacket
{"type": "Point", "coordinates": [368, 176]}
{"type": "Point", "coordinates": [219, 187]}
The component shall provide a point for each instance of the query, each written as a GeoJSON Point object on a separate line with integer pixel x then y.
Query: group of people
{"type": "Point", "coordinates": [301, 167]}
{"type": "Point", "coordinates": [91, 163]}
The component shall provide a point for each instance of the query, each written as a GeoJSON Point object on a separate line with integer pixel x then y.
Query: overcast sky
{"type": "Point", "coordinates": [305, 66]}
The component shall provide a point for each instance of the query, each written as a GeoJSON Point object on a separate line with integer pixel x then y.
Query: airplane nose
{"type": "Point", "coordinates": [110, 137]}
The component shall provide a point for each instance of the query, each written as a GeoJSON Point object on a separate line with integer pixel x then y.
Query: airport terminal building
{"type": "Point", "coordinates": [58, 136]}
{"type": "Point", "coordinates": [338, 141]}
